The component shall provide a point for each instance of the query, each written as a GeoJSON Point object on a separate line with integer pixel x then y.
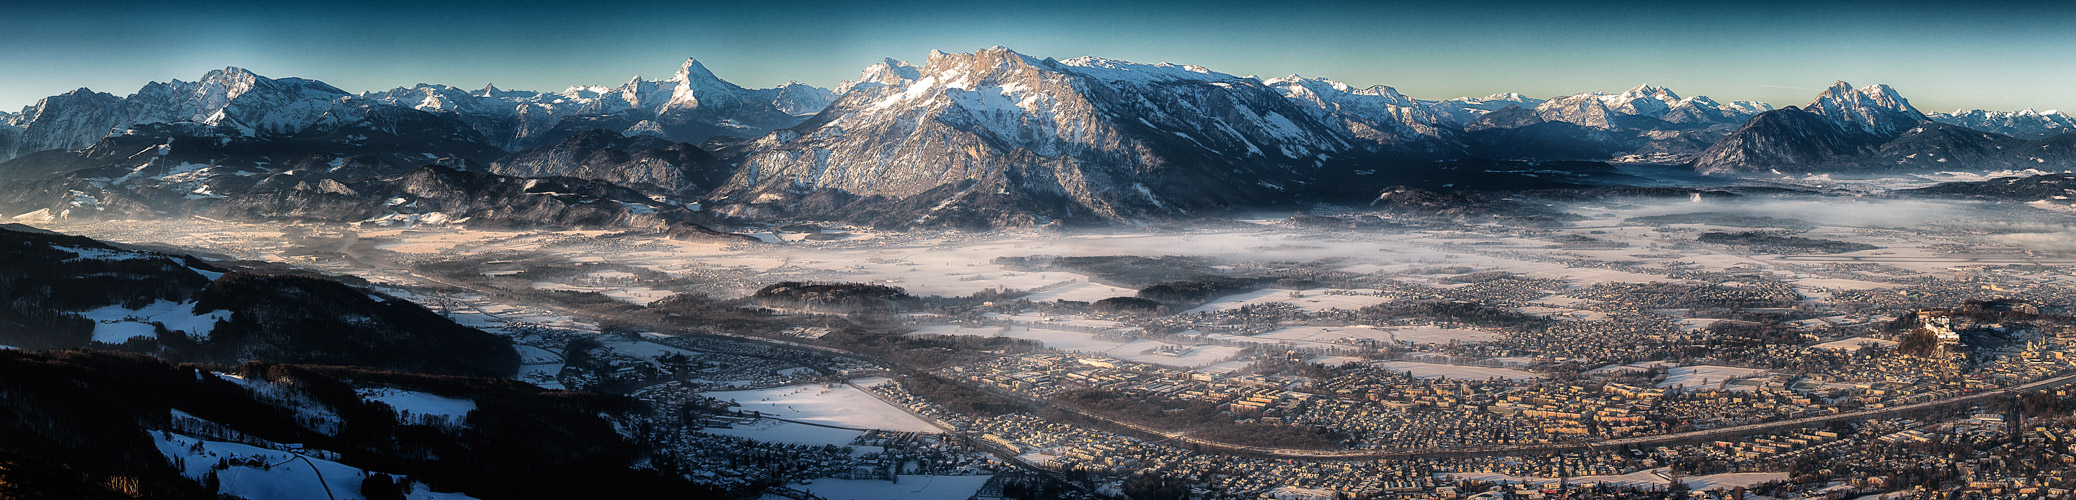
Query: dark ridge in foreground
{"type": "Point", "coordinates": [521, 442]}
{"type": "Point", "coordinates": [182, 308]}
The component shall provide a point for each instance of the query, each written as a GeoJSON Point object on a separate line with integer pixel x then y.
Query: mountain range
{"type": "Point", "coordinates": [1873, 128]}
{"type": "Point", "coordinates": [988, 138]}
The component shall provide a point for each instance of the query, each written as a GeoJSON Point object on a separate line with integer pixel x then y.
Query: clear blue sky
{"type": "Point", "coordinates": [2000, 55]}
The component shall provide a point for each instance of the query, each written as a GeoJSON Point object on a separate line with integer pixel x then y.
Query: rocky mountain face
{"type": "Point", "coordinates": [2057, 189]}
{"type": "Point", "coordinates": [230, 99]}
{"type": "Point", "coordinates": [164, 169]}
{"type": "Point", "coordinates": [1644, 124]}
{"type": "Point", "coordinates": [1874, 109]}
{"type": "Point", "coordinates": [150, 174]}
{"type": "Point", "coordinates": [182, 147]}
{"type": "Point", "coordinates": [645, 163]}
{"type": "Point", "coordinates": [1842, 125]}
{"type": "Point", "coordinates": [981, 139]}
{"type": "Point", "coordinates": [690, 106]}
{"type": "Point", "coordinates": [1786, 139]}
{"type": "Point", "coordinates": [441, 195]}
{"type": "Point", "coordinates": [1378, 117]}
{"type": "Point", "coordinates": [1466, 109]}
{"type": "Point", "coordinates": [229, 117]}
{"type": "Point", "coordinates": [1871, 128]}
{"type": "Point", "coordinates": [1516, 133]}
{"type": "Point", "coordinates": [1608, 111]}
{"type": "Point", "coordinates": [1507, 118]}
{"type": "Point", "coordinates": [886, 72]}
{"type": "Point", "coordinates": [1932, 145]}
{"type": "Point", "coordinates": [1083, 138]}
{"type": "Point", "coordinates": [242, 101]}
{"type": "Point", "coordinates": [66, 121]}
{"type": "Point", "coordinates": [797, 99]}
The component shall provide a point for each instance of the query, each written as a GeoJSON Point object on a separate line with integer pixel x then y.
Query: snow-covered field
{"type": "Point", "coordinates": [1696, 324]}
{"type": "Point", "coordinates": [1045, 320]}
{"type": "Point", "coordinates": [1083, 292]}
{"type": "Point", "coordinates": [1157, 353]}
{"type": "Point", "coordinates": [419, 405]}
{"type": "Point", "coordinates": [1313, 300]}
{"type": "Point", "coordinates": [1143, 351]}
{"type": "Point", "coordinates": [115, 324]}
{"type": "Point", "coordinates": [988, 331]}
{"type": "Point", "coordinates": [539, 367]}
{"type": "Point", "coordinates": [1699, 377]}
{"type": "Point", "coordinates": [1431, 335]}
{"type": "Point", "coordinates": [640, 348]}
{"type": "Point", "coordinates": [840, 405]}
{"type": "Point", "coordinates": [639, 295]}
{"type": "Point", "coordinates": [1632, 367]}
{"type": "Point", "coordinates": [287, 475]}
{"type": "Point", "coordinates": [1854, 344]}
{"type": "Point", "coordinates": [1456, 372]}
{"type": "Point", "coordinates": [1070, 341]}
{"type": "Point", "coordinates": [435, 240]}
{"type": "Point", "coordinates": [1318, 336]}
{"type": "Point", "coordinates": [1224, 368]}
{"type": "Point", "coordinates": [788, 432]}
{"type": "Point", "coordinates": [1563, 313]}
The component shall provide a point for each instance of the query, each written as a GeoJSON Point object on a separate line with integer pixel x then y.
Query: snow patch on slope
{"type": "Point", "coordinates": [116, 324]}
{"type": "Point", "coordinates": [420, 407]}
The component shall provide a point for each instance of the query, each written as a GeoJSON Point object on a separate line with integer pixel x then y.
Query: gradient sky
{"type": "Point", "coordinates": [1998, 55]}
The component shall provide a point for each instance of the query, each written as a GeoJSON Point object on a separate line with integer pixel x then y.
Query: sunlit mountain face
{"type": "Point", "coordinates": [1515, 250]}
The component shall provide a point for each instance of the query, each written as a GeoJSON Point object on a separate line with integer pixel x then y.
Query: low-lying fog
{"type": "Point", "coordinates": [2005, 224]}
{"type": "Point", "coordinates": [1918, 234]}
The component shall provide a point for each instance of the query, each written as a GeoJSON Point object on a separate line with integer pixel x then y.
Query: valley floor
{"type": "Point", "coordinates": [1600, 327]}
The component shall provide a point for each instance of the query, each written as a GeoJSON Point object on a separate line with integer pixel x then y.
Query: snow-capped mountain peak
{"type": "Point", "coordinates": [1650, 91]}
{"type": "Point", "coordinates": [1876, 109]}
{"type": "Point", "coordinates": [1462, 110]}
{"type": "Point", "coordinates": [888, 71]}
{"type": "Point", "coordinates": [236, 98]}
{"type": "Point", "coordinates": [798, 99]}
{"type": "Point", "coordinates": [71, 120]}
{"type": "Point", "coordinates": [2025, 123]}
{"type": "Point", "coordinates": [1378, 113]}
{"type": "Point", "coordinates": [1124, 71]}
{"type": "Point", "coordinates": [1596, 109]}
{"type": "Point", "coordinates": [1880, 95]}
{"type": "Point", "coordinates": [692, 70]}
{"type": "Point", "coordinates": [1086, 138]}
{"type": "Point", "coordinates": [690, 106]}
{"type": "Point", "coordinates": [693, 83]}
{"type": "Point", "coordinates": [1295, 78]}
{"type": "Point", "coordinates": [1323, 86]}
